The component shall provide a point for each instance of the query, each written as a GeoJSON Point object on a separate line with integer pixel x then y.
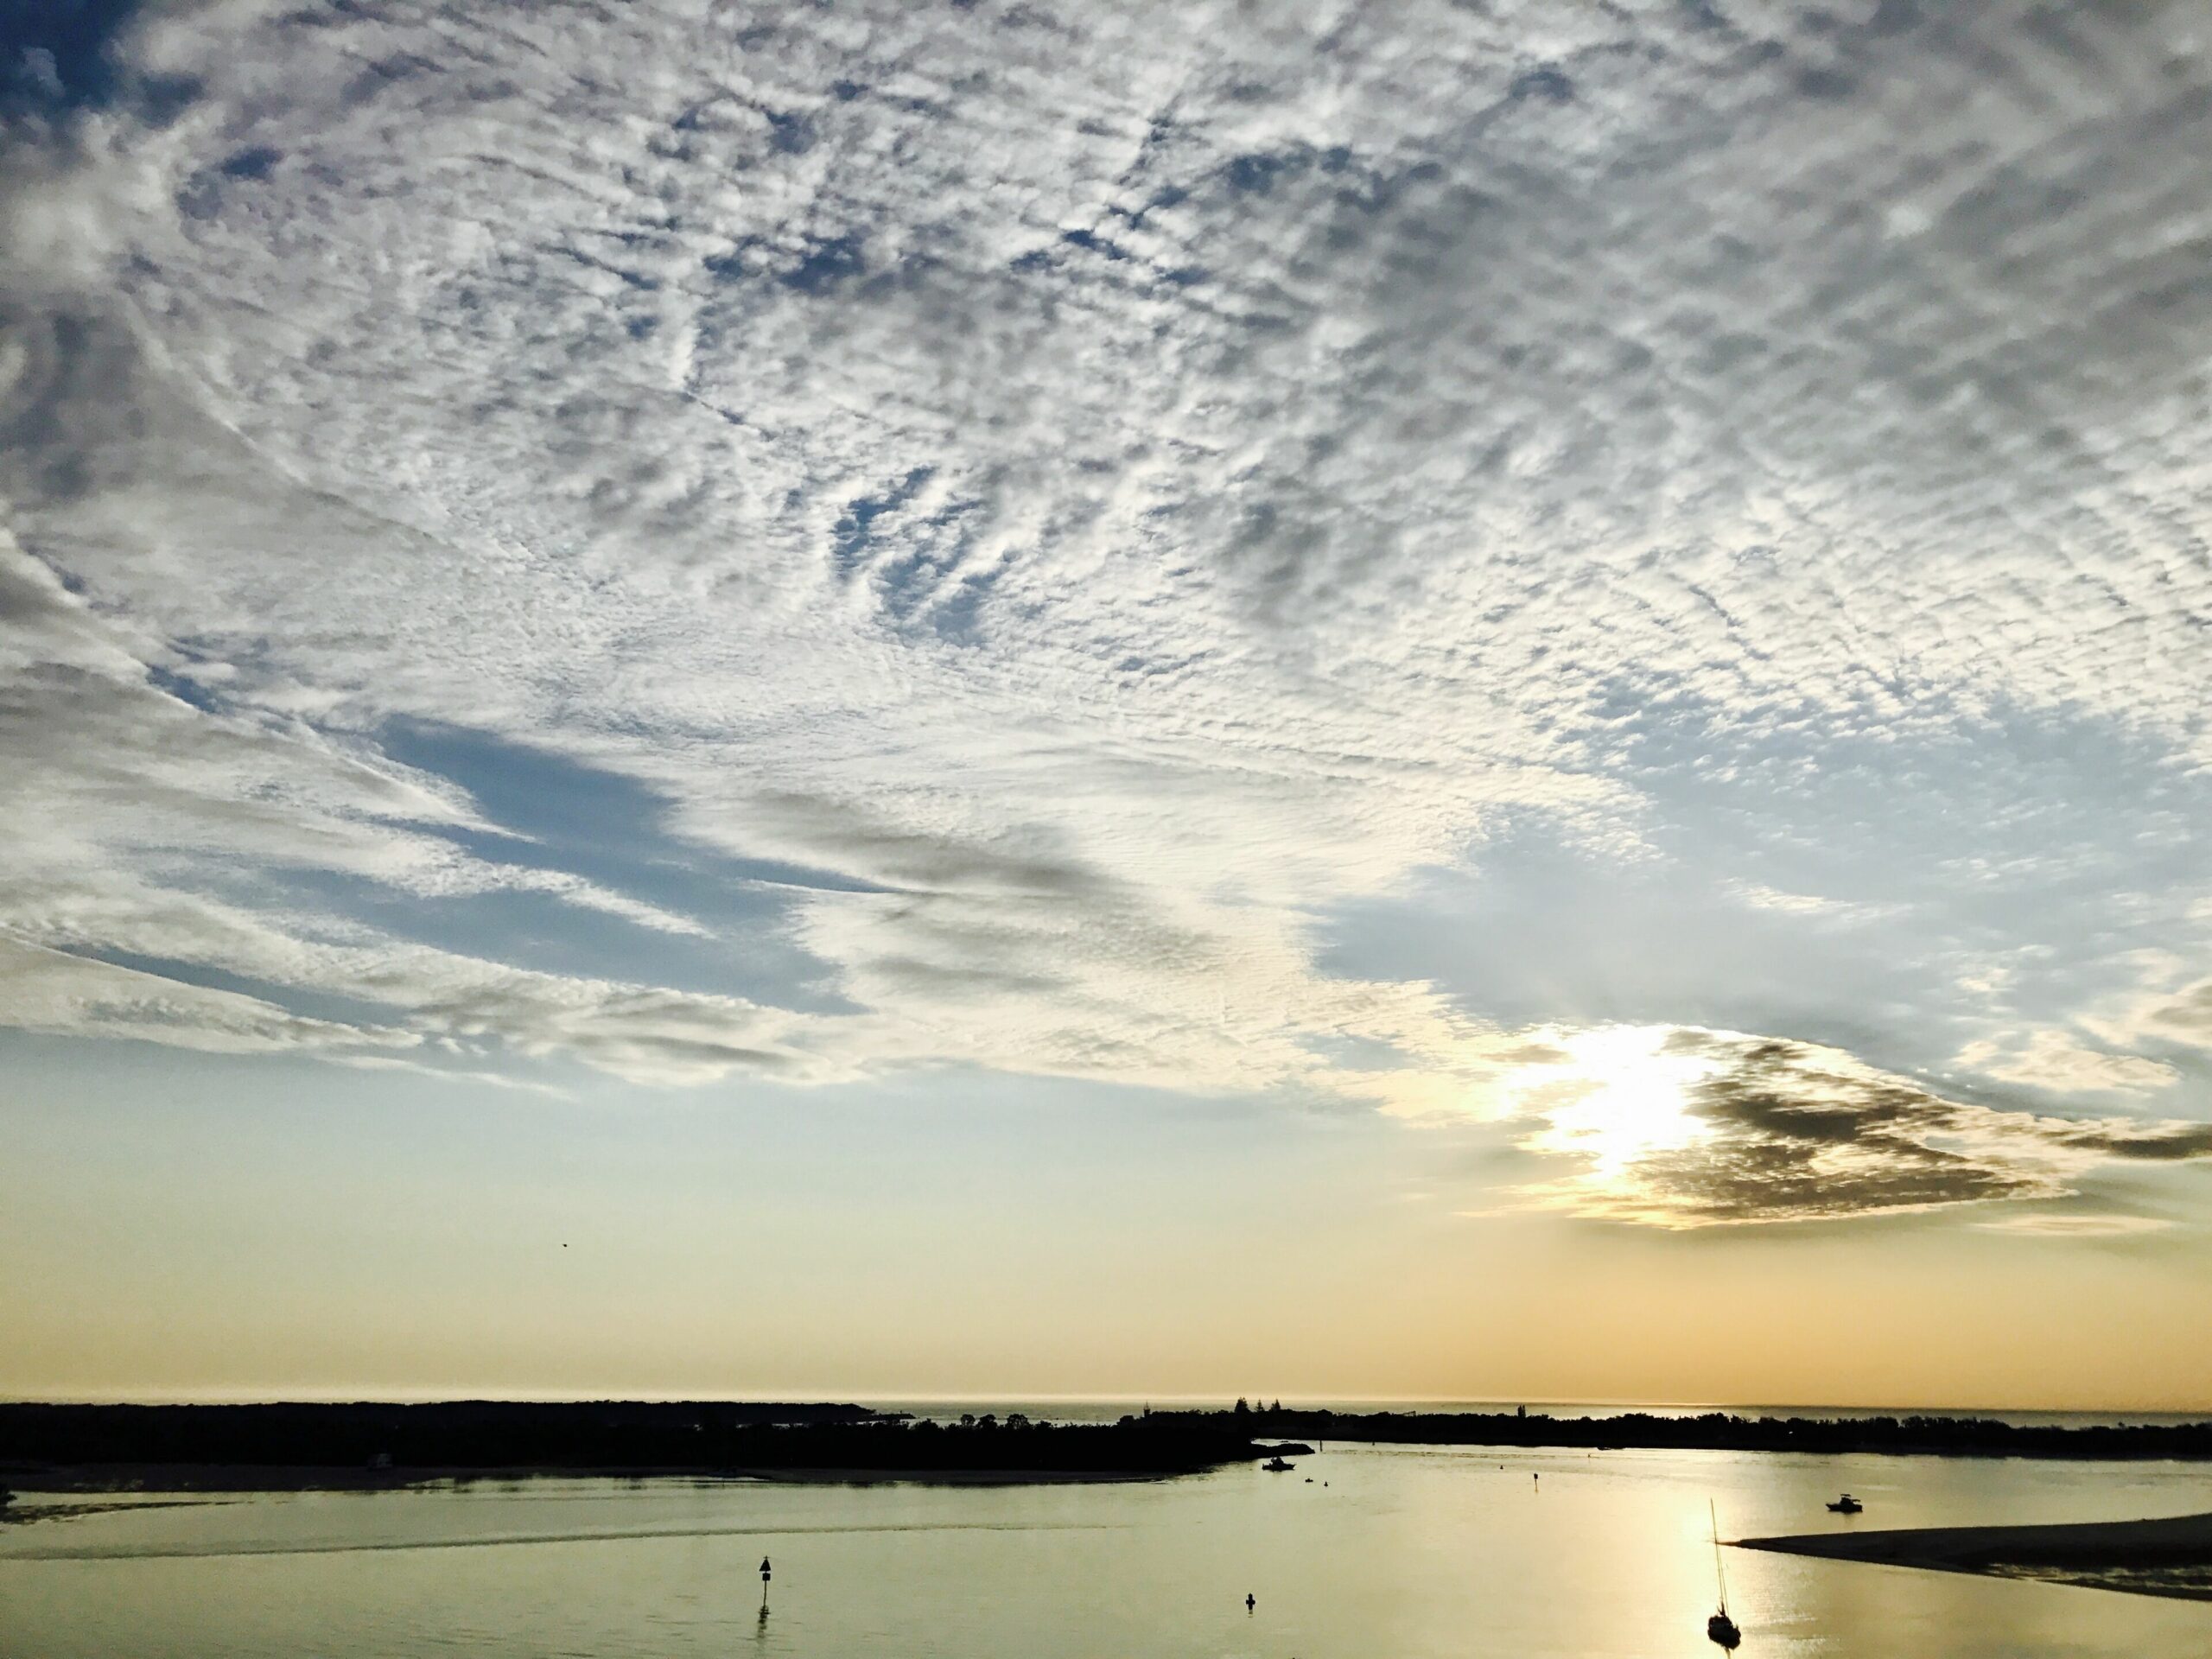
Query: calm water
{"type": "Point", "coordinates": [1403, 1552]}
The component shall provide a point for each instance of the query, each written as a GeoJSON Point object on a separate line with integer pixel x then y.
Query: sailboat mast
{"type": "Point", "coordinates": [1719, 1572]}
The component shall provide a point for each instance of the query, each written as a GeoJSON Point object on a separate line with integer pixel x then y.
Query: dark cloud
{"type": "Point", "coordinates": [2170, 1145]}
{"type": "Point", "coordinates": [2187, 1019]}
{"type": "Point", "coordinates": [1789, 1131]}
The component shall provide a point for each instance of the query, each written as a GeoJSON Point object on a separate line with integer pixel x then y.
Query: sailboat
{"type": "Point", "coordinates": [1720, 1629]}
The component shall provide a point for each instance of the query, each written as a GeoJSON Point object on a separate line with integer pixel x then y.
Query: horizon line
{"type": "Point", "coordinates": [1436, 1405]}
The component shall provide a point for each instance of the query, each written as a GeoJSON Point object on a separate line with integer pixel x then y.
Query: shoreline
{"type": "Point", "coordinates": [1916, 1435]}
{"type": "Point", "coordinates": [366, 1445]}
{"type": "Point", "coordinates": [243, 1479]}
{"type": "Point", "coordinates": [710, 1437]}
{"type": "Point", "coordinates": [2168, 1556]}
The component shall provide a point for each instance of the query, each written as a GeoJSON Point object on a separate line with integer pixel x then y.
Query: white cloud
{"type": "Point", "coordinates": [1107, 490]}
{"type": "Point", "coordinates": [2056, 1060]}
{"type": "Point", "coordinates": [49, 991]}
{"type": "Point", "coordinates": [2038, 1224]}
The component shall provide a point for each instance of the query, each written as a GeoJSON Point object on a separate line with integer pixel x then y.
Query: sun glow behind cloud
{"type": "Point", "coordinates": [1681, 1127]}
{"type": "Point", "coordinates": [1616, 1096]}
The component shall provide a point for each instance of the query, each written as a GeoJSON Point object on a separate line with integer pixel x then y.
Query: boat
{"type": "Point", "coordinates": [1277, 1466]}
{"type": "Point", "coordinates": [1847, 1505]}
{"type": "Point", "coordinates": [1720, 1630]}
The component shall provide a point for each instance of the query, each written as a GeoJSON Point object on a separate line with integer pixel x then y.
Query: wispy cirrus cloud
{"type": "Point", "coordinates": [57, 992]}
{"type": "Point", "coordinates": [2060, 1062]}
{"type": "Point", "coordinates": [2046, 1224]}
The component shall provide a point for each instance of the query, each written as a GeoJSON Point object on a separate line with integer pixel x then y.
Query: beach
{"type": "Point", "coordinates": [2165, 1557]}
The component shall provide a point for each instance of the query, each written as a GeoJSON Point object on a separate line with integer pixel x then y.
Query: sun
{"type": "Point", "coordinates": [1614, 1096]}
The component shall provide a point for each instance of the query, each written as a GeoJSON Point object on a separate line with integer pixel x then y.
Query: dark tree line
{"type": "Point", "coordinates": [616, 1436]}
{"type": "Point", "coordinates": [1723, 1431]}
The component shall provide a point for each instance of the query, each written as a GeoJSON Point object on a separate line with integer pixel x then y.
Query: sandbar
{"type": "Point", "coordinates": [2168, 1557]}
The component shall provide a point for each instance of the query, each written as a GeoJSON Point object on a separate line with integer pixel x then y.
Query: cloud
{"type": "Point", "coordinates": [132, 803]}
{"type": "Point", "coordinates": [2055, 1061]}
{"type": "Point", "coordinates": [51, 991]}
{"type": "Point", "coordinates": [1689, 1127]}
{"type": "Point", "coordinates": [1761, 897]}
{"type": "Point", "coordinates": [2186, 1018]}
{"type": "Point", "coordinates": [2046, 1224]}
{"type": "Point", "coordinates": [1143, 528]}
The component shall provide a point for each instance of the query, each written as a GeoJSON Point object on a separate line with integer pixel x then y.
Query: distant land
{"type": "Point", "coordinates": [1720, 1431]}
{"type": "Point", "coordinates": [2170, 1557]}
{"type": "Point", "coordinates": [63, 1447]}
{"type": "Point", "coordinates": [69, 1447]}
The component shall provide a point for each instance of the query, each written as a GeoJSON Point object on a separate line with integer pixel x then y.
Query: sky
{"type": "Point", "coordinates": [1477, 701]}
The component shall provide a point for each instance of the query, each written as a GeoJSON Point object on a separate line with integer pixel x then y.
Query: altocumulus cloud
{"type": "Point", "coordinates": [1054, 506]}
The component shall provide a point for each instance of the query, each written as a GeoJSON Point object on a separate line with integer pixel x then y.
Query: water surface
{"type": "Point", "coordinates": [1421, 1553]}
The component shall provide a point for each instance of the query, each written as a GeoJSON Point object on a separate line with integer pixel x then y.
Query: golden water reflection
{"type": "Point", "coordinates": [1404, 1552]}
